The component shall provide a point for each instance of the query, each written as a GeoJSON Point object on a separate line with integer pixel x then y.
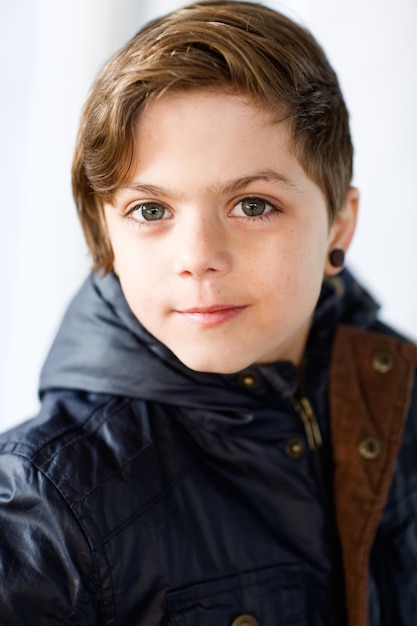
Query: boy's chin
{"type": "Point", "coordinates": [215, 365]}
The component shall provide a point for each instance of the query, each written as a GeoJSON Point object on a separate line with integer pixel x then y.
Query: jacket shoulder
{"type": "Point", "coordinates": [48, 569]}
{"type": "Point", "coordinates": [109, 457]}
{"type": "Point", "coordinates": [64, 478]}
{"type": "Point", "coordinates": [79, 441]}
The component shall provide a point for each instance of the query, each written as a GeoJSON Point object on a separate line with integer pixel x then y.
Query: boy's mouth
{"type": "Point", "coordinates": [211, 316]}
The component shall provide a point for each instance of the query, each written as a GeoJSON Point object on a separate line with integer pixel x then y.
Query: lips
{"type": "Point", "coordinates": [211, 316]}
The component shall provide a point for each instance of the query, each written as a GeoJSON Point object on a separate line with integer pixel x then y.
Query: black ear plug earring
{"type": "Point", "coordinates": [337, 257]}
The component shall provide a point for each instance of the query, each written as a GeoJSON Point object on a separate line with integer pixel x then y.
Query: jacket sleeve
{"type": "Point", "coordinates": [45, 560]}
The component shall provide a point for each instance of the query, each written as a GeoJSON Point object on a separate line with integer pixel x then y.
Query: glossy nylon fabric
{"type": "Point", "coordinates": [146, 493]}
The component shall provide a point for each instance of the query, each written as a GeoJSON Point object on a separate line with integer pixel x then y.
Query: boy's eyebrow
{"type": "Point", "coordinates": [229, 187]}
{"type": "Point", "coordinates": [267, 175]}
{"type": "Point", "coordinates": [152, 190]}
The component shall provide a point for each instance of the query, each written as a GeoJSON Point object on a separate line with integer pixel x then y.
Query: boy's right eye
{"type": "Point", "coordinates": [149, 212]}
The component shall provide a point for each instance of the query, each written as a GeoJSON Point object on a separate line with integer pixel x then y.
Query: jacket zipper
{"type": "Point", "coordinates": [304, 409]}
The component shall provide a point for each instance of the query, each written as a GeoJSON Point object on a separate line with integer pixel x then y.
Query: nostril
{"type": "Point", "coordinates": [202, 255]}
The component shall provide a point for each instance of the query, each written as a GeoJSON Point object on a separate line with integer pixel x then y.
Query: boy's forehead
{"type": "Point", "coordinates": [189, 109]}
{"type": "Point", "coordinates": [173, 161]}
{"type": "Point", "coordinates": [169, 159]}
{"type": "Point", "coordinates": [210, 123]}
{"type": "Point", "coordinates": [270, 113]}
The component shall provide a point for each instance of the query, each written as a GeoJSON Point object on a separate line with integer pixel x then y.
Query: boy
{"type": "Point", "coordinates": [222, 413]}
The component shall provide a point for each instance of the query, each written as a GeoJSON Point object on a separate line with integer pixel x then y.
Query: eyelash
{"type": "Point", "coordinates": [273, 212]}
{"type": "Point", "coordinates": [143, 223]}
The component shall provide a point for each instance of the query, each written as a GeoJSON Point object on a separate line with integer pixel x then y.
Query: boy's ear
{"type": "Point", "coordinates": [342, 228]}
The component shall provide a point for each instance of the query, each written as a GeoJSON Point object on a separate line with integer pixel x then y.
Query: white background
{"type": "Point", "coordinates": [49, 54]}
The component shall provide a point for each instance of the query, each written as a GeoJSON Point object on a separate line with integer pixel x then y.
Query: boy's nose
{"type": "Point", "coordinates": [202, 248]}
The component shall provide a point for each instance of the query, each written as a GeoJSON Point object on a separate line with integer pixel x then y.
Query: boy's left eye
{"type": "Point", "coordinates": [252, 207]}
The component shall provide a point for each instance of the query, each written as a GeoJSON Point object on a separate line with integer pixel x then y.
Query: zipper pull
{"type": "Point", "coordinates": [311, 426]}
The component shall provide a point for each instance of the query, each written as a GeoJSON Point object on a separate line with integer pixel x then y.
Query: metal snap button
{"type": "Point", "coordinates": [294, 448]}
{"type": "Point", "coordinates": [383, 362]}
{"type": "Point", "coordinates": [247, 379]}
{"type": "Point", "coordinates": [370, 448]}
{"type": "Point", "coordinates": [245, 620]}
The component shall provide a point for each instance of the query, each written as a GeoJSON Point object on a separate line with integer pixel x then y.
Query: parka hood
{"type": "Point", "coordinates": [102, 348]}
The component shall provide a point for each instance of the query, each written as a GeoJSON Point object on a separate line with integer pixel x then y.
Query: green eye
{"type": "Point", "coordinates": [253, 206]}
{"type": "Point", "coordinates": [152, 211]}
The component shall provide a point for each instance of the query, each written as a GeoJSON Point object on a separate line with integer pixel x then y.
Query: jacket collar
{"type": "Point", "coordinates": [371, 384]}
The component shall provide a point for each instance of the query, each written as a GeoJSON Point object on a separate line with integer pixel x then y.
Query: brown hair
{"type": "Point", "coordinates": [235, 46]}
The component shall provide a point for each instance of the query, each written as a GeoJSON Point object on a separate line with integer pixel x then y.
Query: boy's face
{"type": "Point", "coordinates": [220, 239]}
